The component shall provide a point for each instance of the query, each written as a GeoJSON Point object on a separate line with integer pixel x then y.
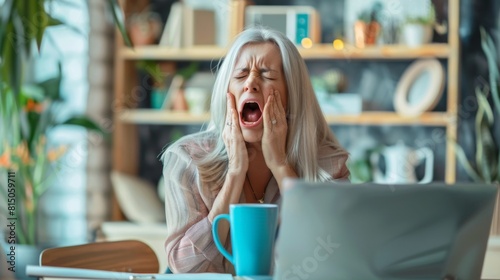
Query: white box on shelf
{"type": "Point", "coordinates": [296, 22]}
{"type": "Point", "coordinates": [342, 104]}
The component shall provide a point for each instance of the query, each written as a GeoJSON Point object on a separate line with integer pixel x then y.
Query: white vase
{"type": "Point", "coordinates": [17, 257]}
{"type": "Point", "coordinates": [416, 35]}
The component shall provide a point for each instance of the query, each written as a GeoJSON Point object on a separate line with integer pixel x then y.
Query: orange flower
{"type": "Point", "coordinates": [41, 145]}
{"type": "Point", "coordinates": [23, 153]}
{"type": "Point", "coordinates": [32, 106]}
{"type": "Point", "coordinates": [28, 189]}
{"type": "Point", "coordinates": [5, 160]}
{"type": "Point", "coordinates": [57, 153]}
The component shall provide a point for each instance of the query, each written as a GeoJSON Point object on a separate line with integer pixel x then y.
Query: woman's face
{"type": "Point", "coordinates": [258, 72]}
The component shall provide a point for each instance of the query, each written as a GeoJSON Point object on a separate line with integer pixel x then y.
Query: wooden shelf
{"type": "Point", "coordinates": [389, 118]}
{"type": "Point", "coordinates": [320, 51]}
{"type": "Point", "coordinates": [126, 136]}
{"type": "Point", "coordinates": [326, 51]}
{"type": "Point", "coordinates": [166, 53]}
{"type": "Point", "coordinates": [149, 116]}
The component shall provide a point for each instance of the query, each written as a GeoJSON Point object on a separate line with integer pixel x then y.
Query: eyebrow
{"type": "Point", "coordinates": [261, 70]}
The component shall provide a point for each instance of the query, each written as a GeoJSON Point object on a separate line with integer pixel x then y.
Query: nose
{"type": "Point", "coordinates": [251, 84]}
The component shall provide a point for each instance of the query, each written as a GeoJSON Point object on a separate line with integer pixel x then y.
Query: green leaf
{"type": "Point", "coordinates": [32, 92]}
{"type": "Point", "coordinates": [489, 162]}
{"type": "Point", "coordinates": [462, 159]}
{"type": "Point", "coordinates": [10, 115]}
{"type": "Point", "coordinates": [189, 71]}
{"type": "Point", "coordinates": [4, 196]}
{"type": "Point", "coordinates": [43, 22]}
{"type": "Point", "coordinates": [479, 141]}
{"type": "Point", "coordinates": [4, 116]}
{"type": "Point", "coordinates": [486, 38]}
{"type": "Point", "coordinates": [54, 22]}
{"type": "Point", "coordinates": [485, 106]}
{"type": "Point", "coordinates": [27, 12]}
{"type": "Point", "coordinates": [84, 122]}
{"type": "Point", "coordinates": [51, 88]}
{"type": "Point", "coordinates": [35, 127]}
{"type": "Point", "coordinates": [485, 145]}
{"type": "Point", "coordinates": [11, 61]}
{"type": "Point", "coordinates": [489, 50]}
{"type": "Point", "coordinates": [119, 21]}
{"type": "Point", "coordinates": [6, 12]}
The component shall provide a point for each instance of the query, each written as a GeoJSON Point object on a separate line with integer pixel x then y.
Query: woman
{"type": "Point", "coordinates": [265, 125]}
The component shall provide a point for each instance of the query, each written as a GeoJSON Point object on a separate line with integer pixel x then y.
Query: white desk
{"type": "Point", "coordinates": [491, 267]}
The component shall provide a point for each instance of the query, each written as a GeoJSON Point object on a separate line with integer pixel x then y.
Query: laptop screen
{"type": "Point", "coordinates": [370, 231]}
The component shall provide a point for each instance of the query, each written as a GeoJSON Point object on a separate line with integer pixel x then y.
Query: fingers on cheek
{"type": "Point", "coordinates": [270, 107]}
{"type": "Point", "coordinates": [234, 116]}
{"type": "Point", "coordinates": [226, 134]}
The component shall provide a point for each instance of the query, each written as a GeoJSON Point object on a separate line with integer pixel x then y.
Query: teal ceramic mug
{"type": "Point", "coordinates": [253, 231]}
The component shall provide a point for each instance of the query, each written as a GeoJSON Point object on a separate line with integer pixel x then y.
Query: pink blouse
{"type": "Point", "coordinates": [189, 245]}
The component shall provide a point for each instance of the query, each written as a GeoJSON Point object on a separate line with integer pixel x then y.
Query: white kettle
{"type": "Point", "coordinates": [400, 164]}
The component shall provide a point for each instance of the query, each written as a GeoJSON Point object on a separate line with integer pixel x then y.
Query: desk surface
{"type": "Point", "coordinates": [235, 278]}
{"type": "Point", "coordinates": [171, 277]}
{"type": "Point", "coordinates": [491, 269]}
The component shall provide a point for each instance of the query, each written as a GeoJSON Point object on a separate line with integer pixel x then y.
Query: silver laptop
{"type": "Point", "coordinates": [369, 231]}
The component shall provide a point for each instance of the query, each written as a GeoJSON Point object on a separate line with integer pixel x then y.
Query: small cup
{"type": "Point", "coordinates": [198, 100]}
{"type": "Point", "coordinates": [253, 232]}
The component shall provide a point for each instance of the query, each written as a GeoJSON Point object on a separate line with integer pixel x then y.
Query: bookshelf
{"type": "Point", "coordinates": [319, 51]}
{"type": "Point", "coordinates": [147, 116]}
{"type": "Point", "coordinates": [128, 117]}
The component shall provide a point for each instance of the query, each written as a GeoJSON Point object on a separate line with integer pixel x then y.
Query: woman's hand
{"type": "Point", "coordinates": [275, 132]}
{"type": "Point", "coordinates": [230, 192]}
{"type": "Point", "coordinates": [274, 139]}
{"type": "Point", "coordinates": [233, 139]}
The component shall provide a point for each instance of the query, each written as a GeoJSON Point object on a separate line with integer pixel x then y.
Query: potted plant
{"type": "Point", "coordinates": [367, 26]}
{"type": "Point", "coordinates": [157, 77]}
{"type": "Point", "coordinates": [28, 113]}
{"type": "Point", "coordinates": [418, 30]}
{"type": "Point", "coordinates": [486, 165]}
{"type": "Point", "coordinates": [167, 84]}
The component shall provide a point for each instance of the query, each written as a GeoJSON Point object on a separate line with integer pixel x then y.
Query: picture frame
{"type": "Point", "coordinates": [420, 88]}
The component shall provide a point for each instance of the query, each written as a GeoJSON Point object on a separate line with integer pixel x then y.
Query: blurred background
{"type": "Point", "coordinates": [405, 85]}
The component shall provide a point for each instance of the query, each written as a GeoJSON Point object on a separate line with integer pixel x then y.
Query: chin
{"type": "Point", "coordinates": [252, 136]}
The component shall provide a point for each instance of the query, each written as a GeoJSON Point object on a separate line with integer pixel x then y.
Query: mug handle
{"type": "Point", "coordinates": [215, 234]}
{"type": "Point", "coordinates": [428, 156]}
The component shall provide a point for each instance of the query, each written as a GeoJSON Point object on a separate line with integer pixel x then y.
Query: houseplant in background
{"type": "Point", "coordinates": [25, 154]}
{"type": "Point", "coordinates": [367, 27]}
{"type": "Point", "coordinates": [28, 113]}
{"type": "Point", "coordinates": [418, 30]}
{"type": "Point", "coordinates": [486, 165]}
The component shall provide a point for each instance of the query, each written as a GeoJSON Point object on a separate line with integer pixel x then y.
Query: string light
{"type": "Point", "coordinates": [306, 43]}
{"type": "Point", "coordinates": [338, 44]}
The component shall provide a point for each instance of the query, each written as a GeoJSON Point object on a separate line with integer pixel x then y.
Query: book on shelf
{"type": "Point", "coordinates": [173, 90]}
{"type": "Point", "coordinates": [172, 32]}
{"type": "Point", "coordinates": [198, 27]}
{"type": "Point", "coordinates": [189, 26]}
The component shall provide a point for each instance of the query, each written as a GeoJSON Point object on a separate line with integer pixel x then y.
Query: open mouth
{"type": "Point", "coordinates": [251, 112]}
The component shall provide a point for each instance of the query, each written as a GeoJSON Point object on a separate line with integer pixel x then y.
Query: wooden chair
{"type": "Point", "coordinates": [120, 256]}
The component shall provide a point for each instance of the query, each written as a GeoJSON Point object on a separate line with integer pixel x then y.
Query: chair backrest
{"type": "Point", "coordinates": [120, 256]}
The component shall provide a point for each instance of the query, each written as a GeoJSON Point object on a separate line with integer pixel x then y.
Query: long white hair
{"type": "Point", "coordinates": [307, 128]}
